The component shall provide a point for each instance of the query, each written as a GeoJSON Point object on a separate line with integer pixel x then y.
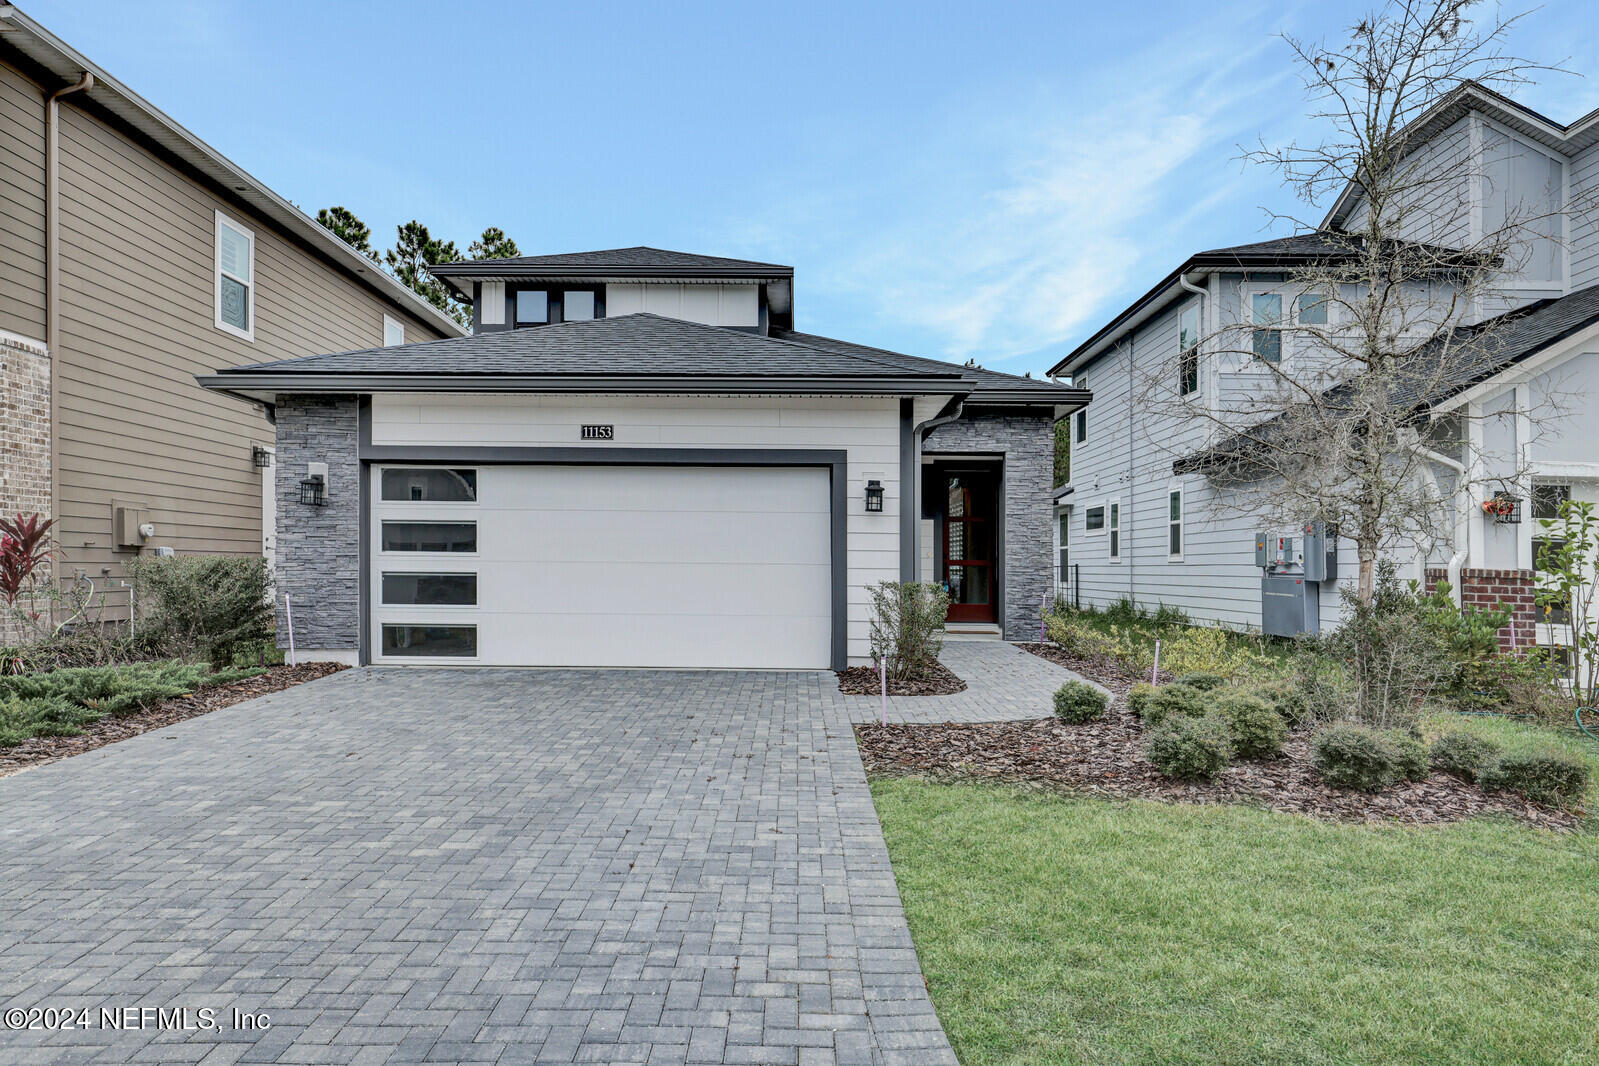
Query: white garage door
{"type": "Point", "coordinates": [669, 566]}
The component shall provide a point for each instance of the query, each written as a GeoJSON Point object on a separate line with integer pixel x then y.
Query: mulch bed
{"type": "Point", "coordinates": [865, 681]}
{"type": "Point", "coordinates": [39, 750]}
{"type": "Point", "coordinates": [1107, 758]}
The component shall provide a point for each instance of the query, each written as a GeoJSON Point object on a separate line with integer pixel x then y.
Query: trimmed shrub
{"type": "Point", "coordinates": [1190, 748]}
{"type": "Point", "coordinates": [110, 689]}
{"type": "Point", "coordinates": [907, 626]}
{"type": "Point", "coordinates": [1285, 698]}
{"type": "Point", "coordinates": [1078, 702]}
{"type": "Point", "coordinates": [1550, 777]}
{"type": "Point", "coordinates": [1174, 701]}
{"type": "Point", "coordinates": [1258, 731]}
{"type": "Point", "coordinates": [1203, 680]}
{"type": "Point", "coordinates": [1354, 756]}
{"type": "Point", "coordinates": [1410, 757]}
{"type": "Point", "coordinates": [1138, 697]}
{"type": "Point", "coordinates": [206, 606]}
{"type": "Point", "coordinates": [1462, 755]}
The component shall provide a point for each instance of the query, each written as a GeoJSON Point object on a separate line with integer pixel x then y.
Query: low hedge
{"type": "Point", "coordinates": [1550, 777]}
{"type": "Point", "coordinates": [1174, 701]}
{"type": "Point", "coordinates": [1353, 756]}
{"type": "Point", "coordinates": [1462, 755]}
{"type": "Point", "coordinates": [61, 702]}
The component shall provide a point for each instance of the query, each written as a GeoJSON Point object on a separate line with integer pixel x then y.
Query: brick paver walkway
{"type": "Point", "coordinates": [481, 866]}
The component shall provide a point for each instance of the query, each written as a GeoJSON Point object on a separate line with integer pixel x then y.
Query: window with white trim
{"type": "Point", "coordinates": [1271, 313]}
{"type": "Point", "coordinates": [1094, 519]}
{"type": "Point", "coordinates": [1064, 524]}
{"type": "Point", "coordinates": [1080, 428]}
{"type": "Point", "coordinates": [393, 332]}
{"type": "Point", "coordinates": [1188, 350]}
{"type": "Point", "coordinates": [1114, 527]}
{"type": "Point", "coordinates": [235, 278]}
{"type": "Point", "coordinates": [1174, 523]}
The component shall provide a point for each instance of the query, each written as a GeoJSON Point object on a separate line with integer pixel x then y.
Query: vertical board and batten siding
{"type": "Point", "coordinates": [866, 428]}
{"type": "Point", "coordinates": [21, 206]}
{"type": "Point", "coordinates": [138, 322]}
{"type": "Point", "coordinates": [1583, 171]}
{"type": "Point", "coordinates": [713, 305]}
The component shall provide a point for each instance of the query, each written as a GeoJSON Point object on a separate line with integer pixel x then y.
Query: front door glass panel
{"type": "Point", "coordinates": [968, 545]}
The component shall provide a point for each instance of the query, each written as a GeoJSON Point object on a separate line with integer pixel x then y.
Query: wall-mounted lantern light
{"type": "Point", "coordinates": [874, 495]}
{"type": "Point", "coordinates": [314, 487]}
{"type": "Point", "coordinates": [260, 458]}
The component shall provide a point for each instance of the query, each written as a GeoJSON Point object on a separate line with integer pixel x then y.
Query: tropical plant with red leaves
{"type": "Point", "coordinates": [24, 548]}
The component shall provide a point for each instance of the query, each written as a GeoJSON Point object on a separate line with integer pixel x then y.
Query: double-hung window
{"type": "Point", "coordinates": [1188, 350]}
{"type": "Point", "coordinates": [235, 278]}
{"type": "Point", "coordinates": [1266, 317]}
{"type": "Point", "coordinates": [1114, 526]}
{"type": "Point", "coordinates": [1174, 523]}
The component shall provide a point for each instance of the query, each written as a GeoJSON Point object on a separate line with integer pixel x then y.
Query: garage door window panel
{"type": "Point", "coordinates": [423, 640]}
{"type": "Point", "coordinates": [447, 538]}
{"type": "Point", "coordinates": [429, 485]}
{"type": "Point", "coordinates": [429, 590]}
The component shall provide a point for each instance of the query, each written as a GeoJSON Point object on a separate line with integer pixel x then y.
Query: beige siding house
{"type": "Point", "coordinates": [165, 260]}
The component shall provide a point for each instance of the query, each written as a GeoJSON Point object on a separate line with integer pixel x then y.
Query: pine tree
{"type": "Point", "coordinates": [494, 244]}
{"type": "Point", "coordinates": [415, 249]}
{"type": "Point", "coordinates": [342, 223]}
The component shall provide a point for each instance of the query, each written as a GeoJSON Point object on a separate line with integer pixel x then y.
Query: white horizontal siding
{"type": "Point", "coordinates": [1584, 218]}
{"type": "Point", "coordinates": [867, 429]}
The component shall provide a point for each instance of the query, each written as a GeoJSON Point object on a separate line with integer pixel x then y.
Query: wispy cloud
{"type": "Point", "coordinates": [1052, 208]}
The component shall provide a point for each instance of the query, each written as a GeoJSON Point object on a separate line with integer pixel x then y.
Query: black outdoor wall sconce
{"type": "Point", "coordinates": [314, 486]}
{"type": "Point", "coordinates": [874, 495]}
{"type": "Point", "coordinates": [260, 458]}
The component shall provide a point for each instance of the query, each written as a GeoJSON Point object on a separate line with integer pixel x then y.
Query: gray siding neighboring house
{"type": "Point", "coordinates": [103, 410]}
{"type": "Point", "coordinates": [1136, 458]}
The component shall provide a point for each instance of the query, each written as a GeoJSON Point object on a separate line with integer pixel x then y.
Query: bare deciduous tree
{"type": "Point", "coordinates": [1328, 415]}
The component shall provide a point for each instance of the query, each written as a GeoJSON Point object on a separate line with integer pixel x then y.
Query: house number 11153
{"type": "Point", "coordinates": [599, 432]}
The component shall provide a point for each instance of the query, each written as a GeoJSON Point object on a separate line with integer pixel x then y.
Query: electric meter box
{"type": "Point", "coordinates": [1320, 554]}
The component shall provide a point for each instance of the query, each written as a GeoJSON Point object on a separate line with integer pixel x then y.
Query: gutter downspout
{"type": "Point", "coordinates": [1462, 519]}
{"type": "Point", "coordinates": [52, 273]}
{"type": "Point", "coordinates": [949, 413]}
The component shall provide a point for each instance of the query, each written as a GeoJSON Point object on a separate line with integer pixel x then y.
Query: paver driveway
{"type": "Point", "coordinates": [463, 866]}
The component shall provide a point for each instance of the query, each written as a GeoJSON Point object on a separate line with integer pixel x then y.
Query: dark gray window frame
{"type": "Point", "coordinates": [557, 303]}
{"type": "Point", "coordinates": [836, 460]}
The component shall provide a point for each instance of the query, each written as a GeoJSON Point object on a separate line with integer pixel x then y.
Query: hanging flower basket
{"type": "Point", "coordinates": [1503, 508]}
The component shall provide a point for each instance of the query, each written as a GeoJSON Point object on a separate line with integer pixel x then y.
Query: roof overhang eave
{"type": "Point", "coordinates": [264, 387]}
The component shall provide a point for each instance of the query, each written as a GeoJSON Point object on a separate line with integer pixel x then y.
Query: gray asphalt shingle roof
{"type": "Point", "coordinates": [638, 344]}
{"type": "Point", "coordinates": [640, 261]}
{"type": "Point", "coordinates": [1480, 352]}
{"type": "Point", "coordinates": [991, 384]}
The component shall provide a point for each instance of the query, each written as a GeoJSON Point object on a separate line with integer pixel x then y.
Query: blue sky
{"type": "Point", "coordinates": [951, 180]}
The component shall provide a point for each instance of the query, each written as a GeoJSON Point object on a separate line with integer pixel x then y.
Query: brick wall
{"type": "Point", "coordinates": [1027, 443]}
{"type": "Point", "coordinates": [24, 441]}
{"type": "Point", "coordinates": [1491, 588]}
{"type": "Point", "coordinates": [318, 550]}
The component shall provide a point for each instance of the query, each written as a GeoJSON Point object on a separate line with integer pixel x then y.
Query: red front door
{"type": "Point", "coordinates": [967, 546]}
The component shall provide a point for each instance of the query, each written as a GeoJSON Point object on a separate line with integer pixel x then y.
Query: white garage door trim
{"type": "Point", "coordinates": [450, 569]}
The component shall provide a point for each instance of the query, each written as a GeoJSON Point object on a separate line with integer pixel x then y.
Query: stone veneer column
{"type": "Point", "coordinates": [24, 441]}
{"type": "Point", "coordinates": [1027, 443]}
{"type": "Point", "coordinates": [1492, 588]}
{"type": "Point", "coordinates": [319, 548]}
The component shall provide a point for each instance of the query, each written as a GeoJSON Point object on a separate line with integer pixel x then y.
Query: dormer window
{"type": "Point", "coordinates": [577, 306]}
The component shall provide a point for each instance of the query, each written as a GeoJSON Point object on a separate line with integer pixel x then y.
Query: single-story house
{"type": "Point", "coordinates": [635, 460]}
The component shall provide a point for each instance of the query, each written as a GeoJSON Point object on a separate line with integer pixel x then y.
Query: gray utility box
{"type": "Point", "coordinates": [1289, 605]}
{"type": "Point", "coordinates": [1293, 566]}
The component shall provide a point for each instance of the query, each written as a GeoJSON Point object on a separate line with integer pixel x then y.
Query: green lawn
{"type": "Point", "coordinates": [1059, 929]}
